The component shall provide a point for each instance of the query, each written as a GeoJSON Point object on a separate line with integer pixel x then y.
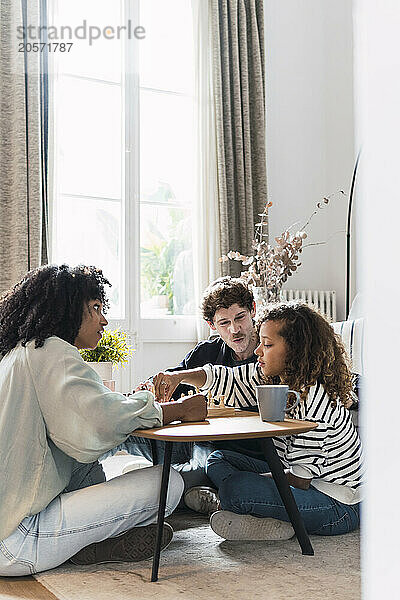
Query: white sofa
{"type": "Point", "coordinates": [352, 334]}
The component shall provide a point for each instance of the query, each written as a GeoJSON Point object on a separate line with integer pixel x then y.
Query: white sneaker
{"type": "Point", "coordinates": [138, 463]}
{"type": "Point", "coordinates": [202, 499]}
{"type": "Point", "coordinates": [231, 526]}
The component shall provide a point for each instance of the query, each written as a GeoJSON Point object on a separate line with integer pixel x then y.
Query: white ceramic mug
{"type": "Point", "coordinates": [272, 401]}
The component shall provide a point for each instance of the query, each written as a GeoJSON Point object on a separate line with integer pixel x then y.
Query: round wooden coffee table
{"type": "Point", "coordinates": [240, 426]}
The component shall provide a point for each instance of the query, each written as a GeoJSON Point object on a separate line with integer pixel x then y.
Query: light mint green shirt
{"type": "Point", "coordinates": [54, 411]}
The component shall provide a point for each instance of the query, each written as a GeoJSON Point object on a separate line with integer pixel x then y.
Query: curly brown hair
{"type": "Point", "coordinates": [48, 301]}
{"type": "Point", "coordinates": [224, 292]}
{"type": "Point", "coordinates": [315, 353]}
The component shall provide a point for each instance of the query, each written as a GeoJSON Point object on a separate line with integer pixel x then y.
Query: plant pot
{"type": "Point", "coordinates": [160, 301]}
{"type": "Point", "coordinates": [103, 369]}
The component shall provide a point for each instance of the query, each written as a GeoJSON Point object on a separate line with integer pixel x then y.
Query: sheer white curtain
{"type": "Point", "coordinates": [206, 242]}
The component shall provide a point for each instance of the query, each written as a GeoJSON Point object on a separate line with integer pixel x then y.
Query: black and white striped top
{"type": "Point", "coordinates": [331, 454]}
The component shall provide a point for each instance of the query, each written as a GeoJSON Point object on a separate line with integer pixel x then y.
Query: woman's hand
{"type": "Point", "coordinates": [165, 383]}
{"type": "Point", "coordinates": [194, 408]}
{"type": "Point", "coordinates": [188, 409]}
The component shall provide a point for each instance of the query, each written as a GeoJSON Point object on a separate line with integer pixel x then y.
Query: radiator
{"type": "Point", "coordinates": [323, 301]}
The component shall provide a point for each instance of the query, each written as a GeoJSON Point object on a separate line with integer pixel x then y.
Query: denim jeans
{"type": "Point", "coordinates": [243, 490]}
{"type": "Point", "coordinates": [89, 510]}
{"type": "Point", "coordinates": [187, 458]}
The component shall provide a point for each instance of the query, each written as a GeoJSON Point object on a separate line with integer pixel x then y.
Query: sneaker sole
{"type": "Point", "coordinates": [231, 526]}
{"type": "Point", "coordinates": [132, 546]}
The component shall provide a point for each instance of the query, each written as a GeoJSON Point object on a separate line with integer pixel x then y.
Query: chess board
{"type": "Point", "coordinates": [216, 406]}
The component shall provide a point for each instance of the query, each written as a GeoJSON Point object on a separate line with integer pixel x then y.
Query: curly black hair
{"type": "Point", "coordinates": [315, 353]}
{"type": "Point", "coordinates": [48, 301]}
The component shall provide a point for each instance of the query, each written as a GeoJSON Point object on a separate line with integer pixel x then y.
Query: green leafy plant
{"type": "Point", "coordinates": [113, 347]}
{"type": "Point", "coordinates": [157, 269]}
{"type": "Point", "coordinates": [158, 258]}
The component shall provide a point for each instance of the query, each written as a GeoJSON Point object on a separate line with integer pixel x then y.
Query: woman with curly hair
{"type": "Point", "coordinates": [297, 348]}
{"type": "Point", "coordinates": [56, 419]}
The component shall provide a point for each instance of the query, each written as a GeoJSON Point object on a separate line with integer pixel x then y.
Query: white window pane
{"type": "Point", "coordinates": [166, 53]}
{"type": "Point", "coordinates": [166, 261]}
{"type": "Point", "coordinates": [88, 119]}
{"type": "Point", "coordinates": [77, 21]}
{"type": "Point", "coordinates": [166, 148]}
{"type": "Point", "coordinates": [89, 232]}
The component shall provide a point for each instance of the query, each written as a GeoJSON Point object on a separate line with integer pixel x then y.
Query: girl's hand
{"type": "Point", "coordinates": [165, 384]}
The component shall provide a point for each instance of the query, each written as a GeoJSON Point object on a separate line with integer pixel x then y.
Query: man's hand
{"type": "Point", "coordinates": [188, 409]}
{"type": "Point", "coordinates": [145, 385]}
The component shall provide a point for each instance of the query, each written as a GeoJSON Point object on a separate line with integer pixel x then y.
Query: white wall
{"type": "Point", "coordinates": [310, 129]}
{"type": "Point", "coordinates": [377, 26]}
{"type": "Point", "coordinates": [159, 356]}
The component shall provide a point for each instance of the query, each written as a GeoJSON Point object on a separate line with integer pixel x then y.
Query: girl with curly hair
{"type": "Point", "coordinates": [57, 419]}
{"type": "Point", "coordinates": [297, 348]}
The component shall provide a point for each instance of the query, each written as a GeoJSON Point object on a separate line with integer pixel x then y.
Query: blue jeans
{"type": "Point", "coordinates": [243, 490]}
{"type": "Point", "coordinates": [187, 458]}
{"type": "Point", "coordinates": [89, 510]}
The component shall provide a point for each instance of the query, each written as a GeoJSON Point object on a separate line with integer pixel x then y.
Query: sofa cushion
{"type": "Point", "coordinates": [352, 334]}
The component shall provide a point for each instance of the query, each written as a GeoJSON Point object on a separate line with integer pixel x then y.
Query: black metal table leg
{"type": "Point", "coordinates": [154, 452]}
{"type": "Point", "coordinates": [161, 509]}
{"type": "Point", "coordinates": [285, 492]}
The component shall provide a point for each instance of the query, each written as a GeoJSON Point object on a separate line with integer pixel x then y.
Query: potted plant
{"type": "Point", "coordinates": [112, 350]}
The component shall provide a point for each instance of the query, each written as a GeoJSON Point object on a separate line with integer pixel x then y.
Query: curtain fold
{"type": "Point", "coordinates": [23, 170]}
{"type": "Point", "coordinates": [206, 245]}
{"type": "Point", "coordinates": [239, 93]}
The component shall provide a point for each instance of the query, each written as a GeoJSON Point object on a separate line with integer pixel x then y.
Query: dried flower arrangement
{"type": "Point", "coordinates": [270, 266]}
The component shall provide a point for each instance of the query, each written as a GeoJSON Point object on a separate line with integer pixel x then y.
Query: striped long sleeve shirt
{"type": "Point", "coordinates": [331, 454]}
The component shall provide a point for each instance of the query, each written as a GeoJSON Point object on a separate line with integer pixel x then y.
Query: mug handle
{"type": "Point", "coordinates": [297, 400]}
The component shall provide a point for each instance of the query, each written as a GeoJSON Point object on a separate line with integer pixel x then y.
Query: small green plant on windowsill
{"type": "Point", "coordinates": [113, 347]}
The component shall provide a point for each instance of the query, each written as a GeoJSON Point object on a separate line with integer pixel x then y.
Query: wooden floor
{"type": "Point", "coordinates": [12, 588]}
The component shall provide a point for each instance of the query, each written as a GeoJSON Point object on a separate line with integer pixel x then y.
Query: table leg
{"type": "Point", "coordinates": [154, 452]}
{"type": "Point", "coordinates": [285, 492]}
{"type": "Point", "coordinates": [161, 509]}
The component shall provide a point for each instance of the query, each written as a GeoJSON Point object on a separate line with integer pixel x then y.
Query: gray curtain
{"type": "Point", "coordinates": [237, 29]}
{"type": "Point", "coordinates": [23, 144]}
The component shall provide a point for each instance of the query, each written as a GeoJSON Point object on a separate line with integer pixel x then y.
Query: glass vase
{"type": "Point", "coordinates": [264, 296]}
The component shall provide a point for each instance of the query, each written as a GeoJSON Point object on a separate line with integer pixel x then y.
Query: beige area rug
{"type": "Point", "coordinates": [201, 566]}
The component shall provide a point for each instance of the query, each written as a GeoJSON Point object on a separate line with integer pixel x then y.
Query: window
{"type": "Point", "coordinates": [88, 208]}
{"type": "Point", "coordinates": [124, 143]}
{"type": "Point", "coordinates": [166, 99]}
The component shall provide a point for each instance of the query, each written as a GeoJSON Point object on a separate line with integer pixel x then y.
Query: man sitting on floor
{"type": "Point", "coordinates": [228, 307]}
